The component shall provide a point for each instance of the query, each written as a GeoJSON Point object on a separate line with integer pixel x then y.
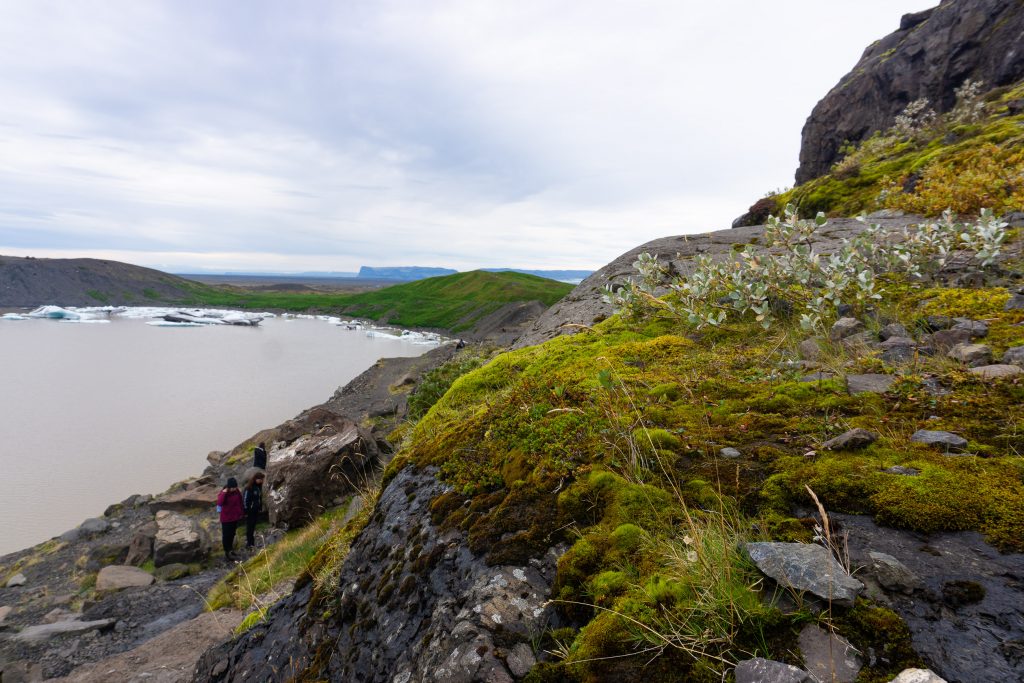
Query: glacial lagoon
{"type": "Point", "coordinates": [112, 403]}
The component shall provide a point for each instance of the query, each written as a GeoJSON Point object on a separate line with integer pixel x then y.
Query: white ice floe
{"type": "Point", "coordinates": [54, 313]}
{"type": "Point", "coordinates": [12, 316]}
{"type": "Point", "coordinates": [165, 323]}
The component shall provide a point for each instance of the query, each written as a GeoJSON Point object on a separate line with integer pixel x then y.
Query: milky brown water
{"type": "Point", "coordinates": [92, 413]}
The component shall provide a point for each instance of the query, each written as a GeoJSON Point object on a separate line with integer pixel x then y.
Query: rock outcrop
{"type": "Point", "coordinates": [931, 54]}
{"type": "Point", "coordinates": [178, 539]}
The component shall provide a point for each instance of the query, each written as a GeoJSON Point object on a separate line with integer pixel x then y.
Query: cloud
{"type": "Point", "coordinates": [463, 133]}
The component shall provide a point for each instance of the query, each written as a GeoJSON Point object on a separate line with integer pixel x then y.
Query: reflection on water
{"type": "Point", "coordinates": [90, 414]}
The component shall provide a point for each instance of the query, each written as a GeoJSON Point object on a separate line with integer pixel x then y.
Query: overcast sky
{"type": "Point", "coordinates": [325, 135]}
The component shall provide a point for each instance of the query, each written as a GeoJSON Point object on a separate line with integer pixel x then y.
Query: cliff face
{"type": "Point", "coordinates": [930, 55]}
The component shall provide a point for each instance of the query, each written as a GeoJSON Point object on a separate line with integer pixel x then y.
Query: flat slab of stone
{"type": "Point", "coordinates": [998, 371]}
{"type": "Point", "coordinates": [117, 577]}
{"type": "Point", "coordinates": [41, 632]}
{"type": "Point", "coordinates": [946, 441]}
{"type": "Point", "coordinates": [850, 440]}
{"type": "Point", "coordinates": [828, 658]}
{"type": "Point", "coordinates": [761, 670]}
{"type": "Point", "coordinates": [200, 497]}
{"type": "Point", "coordinates": [869, 383]}
{"type": "Point", "coordinates": [806, 567]}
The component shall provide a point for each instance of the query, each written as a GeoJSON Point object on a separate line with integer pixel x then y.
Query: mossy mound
{"type": "Point", "coordinates": [608, 442]}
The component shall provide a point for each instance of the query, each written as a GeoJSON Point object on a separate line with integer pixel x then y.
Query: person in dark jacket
{"type": "Point", "coordinates": [252, 500]}
{"type": "Point", "coordinates": [230, 506]}
{"type": "Point", "coordinates": [259, 456]}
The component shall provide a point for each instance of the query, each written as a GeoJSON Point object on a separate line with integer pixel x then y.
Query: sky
{"type": "Point", "coordinates": [324, 135]}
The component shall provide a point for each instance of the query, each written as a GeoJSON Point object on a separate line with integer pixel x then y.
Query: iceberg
{"type": "Point", "coordinates": [54, 313]}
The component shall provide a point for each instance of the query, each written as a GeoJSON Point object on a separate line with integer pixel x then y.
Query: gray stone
{"type": "Point", "coordinates": [178, 539]}
{"type": "Point", "coordinates": [817, 377]}
{"type": "Point", "coordinates": [892, 574]}
{"type": "Point", "coordinates": [810, 349]}
{"type": "Point", "coordinates": [976, 328]}
{"type": "Point", "coordinates": [1015, 303]}
{"type": "Point", "coordinates": [17, 580]}
{"type": "Point", "coordinates": [903, 471]}
{"type": "Point", "coordinates": [845, 327]}
{"type": "Point", "coordinates": [520, 660]}
{"type": "Point", "coordinates": [892, 330]}
{"type": "Point", "coordinates": [216, 458]}
{"type": "Point", "coordinates": [760, 670]}
{"type": "Point", "coordinates": [943, 340]}
{"type": "Point", "coordinates": [938, 322]}
{"type": "Point", "coordinates": [59, 614]}
{"type": "Point", "coordinates": [862, 339]}
{"type": "Point", "coordinates": [946, 441]}
{"type": "Point", "coordinates": [873, 383]}
{"type": "Point", "coordinates": [94, 526]}
{"type": "Point", "coordinates": [118, 577]}
{"type": "Point", "coordinates": [828, 658]}
{"type": "Point", "coordinates": [141, 547]}
{"type": "Point", "coordinates": [997, 371]}
{"type": "Point", "coordinates": [972, 355]}
{"type": "Point", "coordinates": [806, 567]}
{"type": "Point", "coordinates": [729, 452]}
{"type": "Point", "coordinates": [1014, 356]}
{"type": "Point", "coordinates": [898, 350]}
{"type": "Point", "coordinates": [4, 611]}
{"type": "Point", "coordinates": [170, 572]}
{"type": "Point", "coordinates": [42, 632]}
{"type": "Point", "coordinates": [853, 439]}
{"type": "Point", "coordinates": [918, 676]}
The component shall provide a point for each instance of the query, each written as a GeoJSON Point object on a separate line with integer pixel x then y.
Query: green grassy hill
{"type": "Point", "coordinates": [452, 302]}
{"type": "Point", "coordinates": [969, 159]}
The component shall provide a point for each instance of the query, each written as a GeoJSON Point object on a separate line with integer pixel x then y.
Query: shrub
{"type": "Point", "coordinates": [797, 278]}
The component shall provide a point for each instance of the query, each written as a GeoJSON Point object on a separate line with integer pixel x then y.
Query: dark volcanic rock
{"type": "Point", "coordinates": [414, 604]}
{"type": "Point", "coordinates": [930, 56]}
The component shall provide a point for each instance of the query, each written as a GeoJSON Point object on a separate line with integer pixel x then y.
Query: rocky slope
{"type": "Point", "coordinates": [929, 56]}
{"type": "Point", "coordinates": [85, 282]}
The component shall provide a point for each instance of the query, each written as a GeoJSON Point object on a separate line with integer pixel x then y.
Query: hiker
{"type": "Point", "coordinates": [229, 505]}
{"type": "Point", "coordinates": [252, 501]}
{"type": "Point", "coordinates": [259, 456]}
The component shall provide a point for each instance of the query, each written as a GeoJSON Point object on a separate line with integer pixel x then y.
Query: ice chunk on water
{"type": "Point", "coordinates": [12, 316]}
{"type": "Point", "coordinates": [54, 313]}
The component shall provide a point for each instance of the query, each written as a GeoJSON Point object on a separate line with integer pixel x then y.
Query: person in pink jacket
{"type": "Point", "coordinates": [229, 505]}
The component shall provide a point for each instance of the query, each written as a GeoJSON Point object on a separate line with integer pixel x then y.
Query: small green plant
{"type": "Point", "coordinates": [436, 382]}
{"type": "Point", "coordinates": [790, 275]}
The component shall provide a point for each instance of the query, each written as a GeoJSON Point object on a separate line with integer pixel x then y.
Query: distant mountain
{"type": "Point", "coordinates": [406, 273]}
{"type": "Point", "coordinates": [27, 281]}
{"type": "Point", "coordinates": [560, 275]}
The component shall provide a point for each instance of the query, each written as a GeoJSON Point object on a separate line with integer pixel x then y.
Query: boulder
{"type": "Point", "coordinates": [4, 611]}
{"type": "Point", "coordinates": [810, 349]}
{"type": "Point", "coordinates": [16, 580]}
{"type": "Point", "coordinates": [944, 340]}
{"type": "Point", "coordinates": [892, 330]}
{"type": "Point", "coordinates": [760, 670]}
{"type": "Point", "coordinates": [729, 452]}
{"type": "Point", "coordinates": [850, 440]}
{"type": "Point", "coordinates": [140, 548]}
{"type": "Point", "coordinates": [971, 355]}
{"type": "Point", "coordinates": [178, 539]}
{"type": "Point", "coordinates": [976, 328]}
{"type": "Point", "coordinates": [118, 576]}
{"type": "Point", "coordinates": [938, 322]}
{"type": "Point", "coordinates": [87, 529]}
{"type": "Point", "coordinates": [845, 327]}
{"type": "Point", "coordinates": [918, 676]}
{"type": "Point", "coordinates": [196, 498]}
{"type": "Point", "coordinates": [828, 658]}
{"type": "Point", "coordinates": [946, 441]}
{"type": "Point", "coordinates": [1015, 303]}
{"type": "Point", "coordinates": [898, 349]}
{"type": "Point", "coordinates": [1014, 356]}
{"type": "Point", "coordinates": [307, 476]}
{"type": "Point", "coordinates": [892, 574]}
{"type": "Point", "coordinates": [806, 567]}
{"type": "Point", "coordinates": [996, 371]}
{"type": "Point", "coordinates": [869, 383]}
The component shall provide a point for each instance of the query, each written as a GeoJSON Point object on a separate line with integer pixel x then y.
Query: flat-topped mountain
{"type": "Point", "coordinates": [26, 281]}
